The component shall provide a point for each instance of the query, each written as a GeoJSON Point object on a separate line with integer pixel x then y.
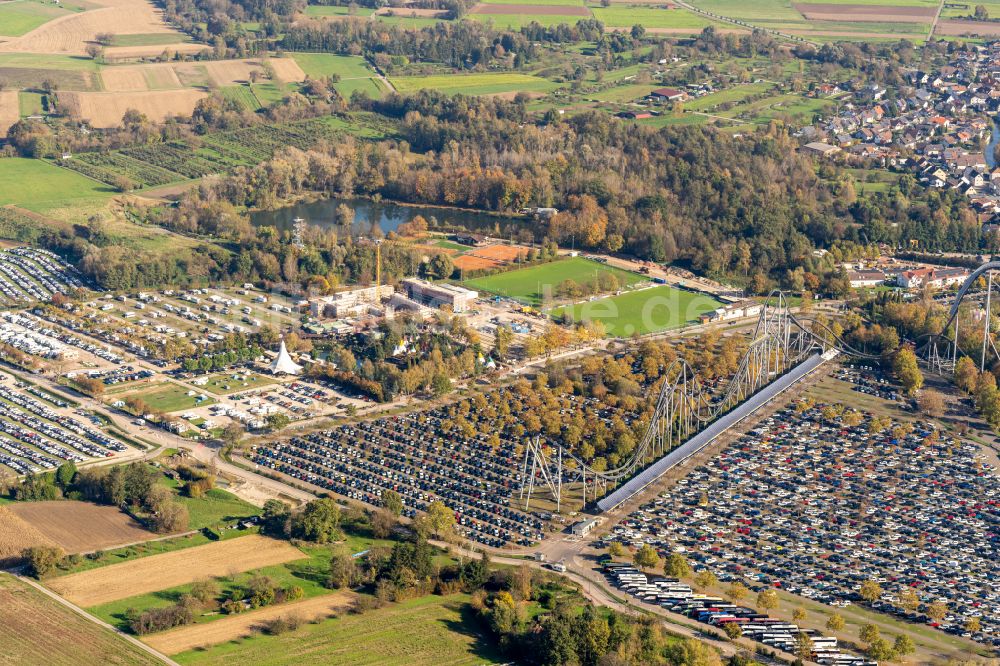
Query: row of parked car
{"type": "Point", "coordinates": [678, 597]}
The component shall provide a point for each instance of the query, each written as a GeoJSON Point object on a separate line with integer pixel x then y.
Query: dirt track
{"type": "Point", "coordinates": [159, 572]}
{"type": "Point", "coordinates": [232, 627]}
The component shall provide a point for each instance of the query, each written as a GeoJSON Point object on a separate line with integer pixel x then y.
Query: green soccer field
{"type": "Point", "coordinates": [537, 284]}
{"type": "Point", "coordinates": [644, 311]}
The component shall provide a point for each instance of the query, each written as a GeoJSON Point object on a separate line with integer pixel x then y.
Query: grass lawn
{"type": "Point", "coordinates": [331, 10]}
{"type": "Point", "coordinates": [536, 284]}
{"type": "Point", "coordinates": [370, 86]}
{"type": "Point", "coordinates": [316, 65]}
{"type": "Point", "coordinates": [644, 311]}
{"type": "Point", "coordinates": [170, 398]}
{"type": "Point", "coordinates": [268, 93]}
{"type": "Point", "coordinates": [30, 103]}
{"type": "Point", "coordinates": [408, 21]}
{"type": "Point", "coordinates": [475, 84]}
{"type": "Point", "coordinates": [41, 186]}
{"type": "Point", "coordinates": [426, 631]}
{"type": "Point", "coordinates": [21, 16]}
{"type": "Point", "coordinates": [623, 17]}
{"type": "Point", "coordinates": [215, 507]}
{"type": "Point", "coordinates": [225, 384]}
{"type": "Point", "coordinates": [736, 94]}
{"type": "Point", "coordinates": [150, 39]}
{"type": "Point", "coordinates": [242, 95]}
{"type": "Point", "coordinates": [517, 21]}
{"type": "Point", "coordinates": [451, 245]}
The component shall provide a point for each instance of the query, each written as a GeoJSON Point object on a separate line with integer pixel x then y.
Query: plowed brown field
{"type": "Point", "coordinates": [237, 626]}
{"type": "Point", "coordinates": [15, 536]}
{"type": "Point", "coordinates": [79, 527]}
{"type": "Point", "coordinates": [159, 572]}
{"type": "Point", "coordinates": [36, 629]}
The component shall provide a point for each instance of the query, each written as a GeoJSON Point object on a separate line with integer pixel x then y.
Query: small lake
{"type": "Point", "coordinates": [384, 216]}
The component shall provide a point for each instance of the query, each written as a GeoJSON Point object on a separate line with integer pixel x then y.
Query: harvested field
{"type": "Point", "coordinates": [866, 13]}
{"type": "Point", "coordinates": [159, 572]}
{"type": "Point", "coordinates": [982, 28]}
{"type": "Point", "coordinates": [503, 253]}
{"type": "Point", "coordinates": [35, 629]}
{"type": "Point", "coordinates": [468, 262]}
{"type": "Point", "coordinates": [530, 10]}
{"type": "Point", "coordinates": [238, 626]}
{"type": "Point", "coordinates": [233, 72]}
{"type": "Point", "coordinates": [15, 536]}
{"type": "Point", "coordinates": [107, 109]}
{"type": "Point", "coordinates": [9, 110]}
{"type": "Point", "coordinates": [114, 53]}
{"type": "Point", "coordinates": [61, 522]}
{"type": "Point", "coordinates": [70, 34]}
{"type": "Point", "coordinates": [124, 79]}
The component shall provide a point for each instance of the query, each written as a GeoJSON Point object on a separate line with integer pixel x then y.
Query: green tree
{"type": "Point", "coordinates": [65, 474]}
{"type": "Point", "coordinates": [392, 502]}
{"type": "Point", "coordinates": [676, 566]}
{"type": "Point", "coordinates": [903, 645]}
{"type": "Point", "coordinates": [646, 557]}
{"type": "Point", "coordinates": [42, 560]}
{"type": "Point", "coordinates": [319, 521]}
{"type": "Point", "coordinates": [440, 518]}
{"type": "Point", "coordinates": [767, 599]}
{"type": "Point", "coordinates": [871, 591]}
{"type": "Point", "coordinates": [907, 371]}
{"type": "Point", "coordinates": [869, 633]}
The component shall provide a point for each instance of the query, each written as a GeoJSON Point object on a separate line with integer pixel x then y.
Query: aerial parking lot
{"type": "Point", "coordinates": [818, 500]}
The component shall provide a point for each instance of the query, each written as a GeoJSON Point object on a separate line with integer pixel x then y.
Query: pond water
{"type": "Point", "coordinates": [385, 216]}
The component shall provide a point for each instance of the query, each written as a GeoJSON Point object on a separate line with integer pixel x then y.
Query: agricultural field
{"type": "Point", "coordinates": [428, 631]}
{"type": "Point", "coordinates": [179, 567]}
{"type": "Point", "coordinates": [70, 33]}
{"type": "Point", "coordinates": [15, 536]}
{"type": "Point", "coordinates": [242, 96]}
{"type": "Point", "coordinates": [36, 629]}
{"type": "Point", "coordinates": [644, 311]}
{"type": "Point", "coordinates": [40, 186]}
{"type": "Point", "coordinates": [475, 84]}
{"type": "Point", "coordinates": [537, 284]}
{"type": "Point", "coordinates": [514, 14]}
{"type": "Point", "coordinates": [10, 110]}
{"type": "Point", "coordinates": [235, 627]}
{"type": "Point", "coordinates": [354, 72]}
{"type": "Point", "coordinates": [59, 522]}
{"type": "Point", "coordinates": [655, 19]}
{"type": "Point", "coordinates": [30, 103]}
{"type": "Point", "coordinates": [20, 16]}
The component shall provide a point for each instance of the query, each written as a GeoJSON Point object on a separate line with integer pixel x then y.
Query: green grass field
{"type": "Point", "coordinates": [536, 284]}
{"type": "Point", "coordinates": [370, 86]}
{"type": "Point", "coordinates": [427, 631]}
{"type": "Point", "coordinates": [324, 64]}
{"type": "Point", "coordinates": [150, 39]}
{"type": "Point", "coordinates": [18, 17]}
{"type": "Point", "coordinates": [475, 84]}
{"type": "Point", "coordinates": [227, 383]}
{"type": "Point", "coordinates": [518, 21]}
{"type": "Point", "coordinates": [331, 10]}
{"type": "Point", "coordinates": [644, 311]}
{"type": "Point", "coordinates": [623, 17]}
{"type": "Point", "coordinates": [268, 93]}
{"type": "Point", "coordinates": [242, 95]}
{"type": "Point", "coordinates": [41, 186]}
{"type": "Point", "coordinates": [170, 398]}
{"type": "Point", "coordinates": [30, 103]}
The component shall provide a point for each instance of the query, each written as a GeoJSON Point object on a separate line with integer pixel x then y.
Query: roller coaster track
{"type": "Point", "coordinates": [685, 406]}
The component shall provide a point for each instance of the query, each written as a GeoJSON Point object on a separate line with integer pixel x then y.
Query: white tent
{"type": "Point", "coordinates": [284, 365]}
